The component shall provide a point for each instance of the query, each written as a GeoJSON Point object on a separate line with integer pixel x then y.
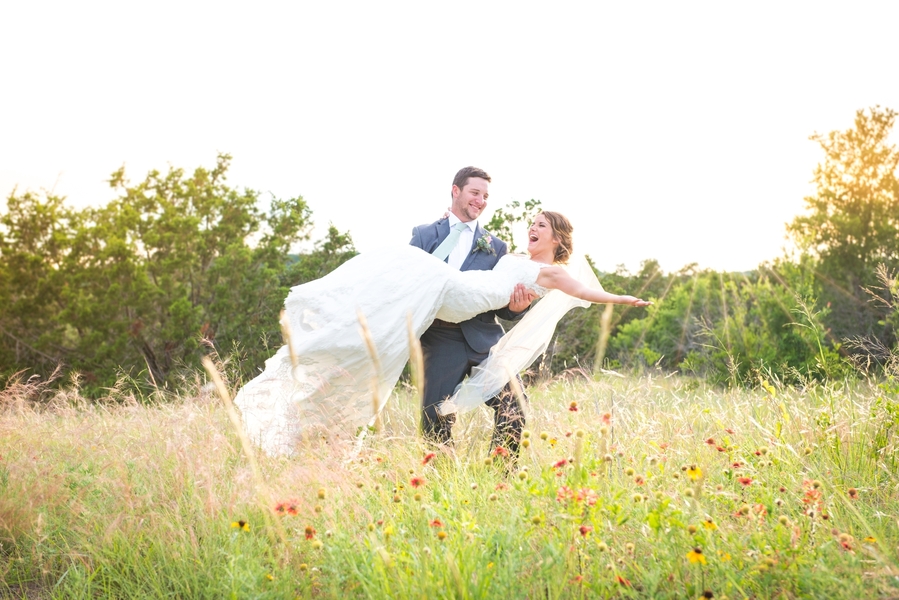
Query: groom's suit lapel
{"type": "Point", "coordinates": [466, 264]}
{"type": "Point", "coordinates": [443, 229]}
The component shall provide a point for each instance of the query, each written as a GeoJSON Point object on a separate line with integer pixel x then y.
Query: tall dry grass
{"type": "Point", "coordinates": [784, 492]}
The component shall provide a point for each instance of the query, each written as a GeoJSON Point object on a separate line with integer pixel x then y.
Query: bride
{"type": "Point", "coordinates": [325, 377]}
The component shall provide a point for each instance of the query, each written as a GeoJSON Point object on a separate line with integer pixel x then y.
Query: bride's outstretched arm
{"type": "Point", "coordinates": [557, 279]}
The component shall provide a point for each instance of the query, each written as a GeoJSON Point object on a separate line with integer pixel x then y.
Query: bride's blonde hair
{"type": "Point", "coordinates": [562, 231]}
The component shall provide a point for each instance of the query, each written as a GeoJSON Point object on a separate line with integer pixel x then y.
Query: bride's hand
{"type": "Point", "coordinates": [637, 301]}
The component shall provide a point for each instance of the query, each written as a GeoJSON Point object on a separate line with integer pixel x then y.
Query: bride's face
{"type": "Point", "coordinates": [541, 236]}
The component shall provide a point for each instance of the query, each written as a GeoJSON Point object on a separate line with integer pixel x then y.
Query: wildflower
{"type": "Point", "coordinates": [689, 493]}
{"type": "Point", "coordinates": [710, 524]}
{"type": "Point", "coordinates": [639, 480]}
{"type": "Point", "coordinates": [317, 508]}
{"type": "Point", "coordinates": [560, 464]}
{"type": "Point", "coordinates": [783, 520]}
{"type": "Point", "coordinates": [637, 498]}
{"type": "Point", "coordinates": [436, 523]}
{"type": "Point", "coordinates": [397, 499]}
{"type": "Point", "coordinates": [622, 581]}
{"type": "Point", "coordinates": [310, 532]}
{"type": "Point", "coordinates": [417, 497]}
{"type": "Point", "coordinates": [720, 449]}
{"type": "Point", "coordinates": [525, 443]}
{"type": "Point", "coordinates": [492, 497]}
{"type": "Point", "coordinates": [416, 482]}
{"type": "Point", "coordinates": [286, 508]}
{"type": "Point", "coordinates": [474, 486]}
{"type": "Point", "coordinates": [853, 493]}
{"type": "Point", "coordinates": [607, 458]}
{"type": "Point", "coordinates": [428, 458]}
{"type": "Point", "coordinates": [522, 475]}
{"type": "Point", "coordinates": [602, 547]}
{"type": "Point", "coordinates": [536, 519]}
{"type": "Point", "coordinates": [585, 529]}
{"type": "Point", "coordinates": [544, 436]}
{"type": "Point", "coordinates": [730, 431]}
{"type": "Point", "coordinates": [763, 450]}
{"type": "Point", "coordinates": [691, 529]}
{"type": "Point", "coordinates": [710, 441]}
{"type": "Point", "coordinates": [629, 547]}
{"type": "Point", "coordinates": [629, 472]}
{"type": "Point", "coordinates": [573, 406]}
{"type": "Point", "coordinates": [563, 493]}
{"type": "Point", "coordinates": [607, 418]}
{"type": "Point", "coordinates": [745, 481]}
{"type": "Point", "coordinates": [816, 484]}
{"type": "Point", "coordinates": [603, 430]}
{"type": "Point", "coordinates": [871, 539]}
{"type": "Point", "coordinates": [588, 496]}
{"type": "Point", "coordinates": [526, 434]}
{"type": "Point", "coordinates": [737, 465]}
{"type": "Point", "coordinates": [694, 472]}
{"type": "Point", "coordinates": [707, 594]}
{"type": "Point", "coordinates": [242, 525]}
{"type": "Point", "coordinates": [303, 566]}
{"type": "Point", "coordinates": [317, 544]}
{"type": "Point", "coordinates": [500, 451]}
{"type": "Point", "coordinates": [321, 493]}
{"type": "Point", "coordinates": [696, 556]}
{"type": "Point", "coordinates": [552, 442]}
{"type": "Point", "coordinates": [579, 433]}
{"type": "Point", "coordinates": [441, 535]}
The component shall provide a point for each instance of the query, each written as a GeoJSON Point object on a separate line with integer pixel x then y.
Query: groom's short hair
{"type": "Point", "coordinates": [462, 177]}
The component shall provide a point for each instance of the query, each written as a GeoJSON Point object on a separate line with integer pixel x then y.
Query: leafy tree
{"type": "Point", "coordinates": [852, 222]}
{"type": "Point", "coordinates": [502, 223]}
{"type": "Point", "coordinates": [176, 262]}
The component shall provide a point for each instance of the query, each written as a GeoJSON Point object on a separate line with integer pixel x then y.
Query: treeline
{"type": "Point", "coordinates": [138, 290]}
{"type": "Point", "coordinates": [181, 264]}
{"type": "Point", "coordinates": [829, 311]}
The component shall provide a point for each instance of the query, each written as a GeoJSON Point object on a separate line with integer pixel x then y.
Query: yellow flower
{"type": "Point", "coordinates": [242, 525]}
{"type": "Point", "coordinates": [871, 540]}
{"type": "Point", "coordinates": [694, 472]}
{"type": "Point", "coordinates": [696, 556]}
{"type": "Point", "coordinates": [709, 524]}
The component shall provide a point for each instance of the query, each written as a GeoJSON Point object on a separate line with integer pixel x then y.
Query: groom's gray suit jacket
{"type": "Point", "coordinates": [482, 331]}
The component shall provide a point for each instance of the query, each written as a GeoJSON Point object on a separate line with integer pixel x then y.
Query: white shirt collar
{"type": "Point", "coordinates": [453, 219]}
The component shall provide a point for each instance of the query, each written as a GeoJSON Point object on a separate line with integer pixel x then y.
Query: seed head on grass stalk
{"type": "Point", "coordinates": [365, 332]}
{"type": "Point", "coordinates": [264, 496]}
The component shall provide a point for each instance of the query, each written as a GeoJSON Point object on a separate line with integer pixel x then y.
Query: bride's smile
{"type": "Point", "coordinates": [541, 240]}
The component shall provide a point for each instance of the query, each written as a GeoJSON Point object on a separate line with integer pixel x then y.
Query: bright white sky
{"type": "Point", "coordinates": [668, 130]}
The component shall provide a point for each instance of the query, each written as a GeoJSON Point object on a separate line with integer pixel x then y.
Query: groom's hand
{"type": "Point", "coordinates": [521, 298]}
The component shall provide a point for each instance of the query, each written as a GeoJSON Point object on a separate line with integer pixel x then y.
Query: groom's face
{"type": "Point", "coordinates": [469, 202]}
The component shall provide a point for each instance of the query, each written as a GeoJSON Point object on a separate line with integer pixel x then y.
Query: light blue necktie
{"type": "Point", "coordinates": [444, 249]}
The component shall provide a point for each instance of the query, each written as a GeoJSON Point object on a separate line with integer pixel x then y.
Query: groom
{"type": "Point", "coordinates": [451, 349]}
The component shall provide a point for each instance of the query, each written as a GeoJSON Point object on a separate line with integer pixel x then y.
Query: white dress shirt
{"type": "Point", "coordinates": [463, 248]}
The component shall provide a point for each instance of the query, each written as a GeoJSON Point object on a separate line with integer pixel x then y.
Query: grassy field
{"type": "Point", "coordinates": [627, 488]}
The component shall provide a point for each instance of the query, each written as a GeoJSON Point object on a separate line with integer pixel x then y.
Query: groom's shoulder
{"type": "Point", "coordinates": [428, 226]}
{"type": "Point", "coordinates": [497, 243]}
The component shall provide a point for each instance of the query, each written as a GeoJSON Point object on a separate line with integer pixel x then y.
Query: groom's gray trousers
{"type": "Point", "coordinates": [448, 359]}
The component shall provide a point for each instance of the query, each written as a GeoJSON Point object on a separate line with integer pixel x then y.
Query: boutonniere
{"type": "Point", "coordinates": [484, 245]}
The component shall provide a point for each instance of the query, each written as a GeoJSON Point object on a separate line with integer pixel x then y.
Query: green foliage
{"type": "Point", "coordinates": [852, 222]}
{"type": "Point", "coordinates": [502, 223]}
{"type": "Point", "coordinates": [176, 264]}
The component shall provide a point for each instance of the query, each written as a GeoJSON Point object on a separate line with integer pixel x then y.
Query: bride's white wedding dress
{"type": "Point", "coordinates": [335, 379]}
